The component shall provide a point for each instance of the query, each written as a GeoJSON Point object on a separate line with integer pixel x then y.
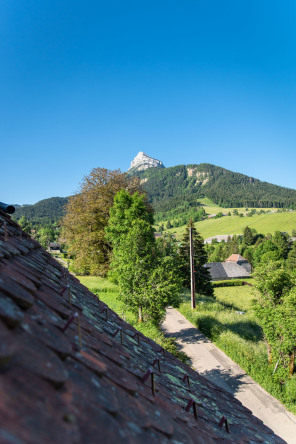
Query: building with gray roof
{"type": "Point", "coordinates": [221, 271]}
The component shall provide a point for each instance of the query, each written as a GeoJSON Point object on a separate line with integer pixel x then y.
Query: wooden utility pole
{"type": "Point", "coordinates": [192, 273]}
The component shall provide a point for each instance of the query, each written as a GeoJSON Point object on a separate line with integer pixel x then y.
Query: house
{"type": "Point", "coordinates": [220, 238]}
{"type": "Point", "coordinates": [238, 259]}
{"type": "Point", "coordinates": [74, 372]}
{"type": "Point", "coordinates": [221, 271]}
{"type": "Point", "coordinates": [54, 246]}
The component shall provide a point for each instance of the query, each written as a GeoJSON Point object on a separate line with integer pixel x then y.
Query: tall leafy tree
{"type": "Point", "coordinates": [147, 279]}
{"type": "Point", "coordinates": [203, 283]}
{"type": "Point", "coordinates": [276, 312]}
{"type": "Point", "coordinates": [25, 224]}
{"type": "Point", "coordinates": [282, 242]}
{"type": "Point", "coordinates": [87, 215]}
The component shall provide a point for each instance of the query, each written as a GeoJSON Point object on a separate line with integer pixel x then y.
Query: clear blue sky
{"type": "Point", "coordinates": [91, 83]}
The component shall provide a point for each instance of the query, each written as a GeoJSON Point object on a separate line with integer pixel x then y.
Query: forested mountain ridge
{"type": "Point", "coordinates": [174, 191]}
{"type": "Point", "coordinates": [170, 187]}
{"type": "Point", "coordinates": [46, 210]}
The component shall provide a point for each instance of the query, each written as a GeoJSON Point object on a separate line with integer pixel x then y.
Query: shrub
{"type": "Point", "coordinates": [229, 283]}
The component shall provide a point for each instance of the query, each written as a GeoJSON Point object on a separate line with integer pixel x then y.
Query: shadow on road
{"type": "Point", "coordinates": [187, 336]}
{"type": "Point", "coordinates": [225, 379]}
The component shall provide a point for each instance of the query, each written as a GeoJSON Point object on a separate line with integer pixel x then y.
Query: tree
{"type": "Point", "coordinates": [232, 246]}
{"type": "Point", "coordinates": [87, 215]}
{"type": "Point", "coordinates": [202, 275]}
{"type": "Point", "coordinates": [276, 311]}
{"type": "Point", "coordinates": [25, 224]}
{"type": "Point", "coordinates": [148, 281]}
{"type": "Point", "coordinates": [291, 260]}
{"type": "Point", "coordinates": [45, 236]}
{"type": "Point", "coordinates": [282, 242]}
{"type": "Point", "coordinates": [168, 225]}
{"type": "Point", "coordinates": [248, 237]}
{"type": "Point", "coordinates": [264, 247]}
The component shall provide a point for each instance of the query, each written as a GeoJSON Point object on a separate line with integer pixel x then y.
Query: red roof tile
{"type": "Point", "coordinates": [71, 370]}
{"type": "Point", "coordinates": [235, 258]}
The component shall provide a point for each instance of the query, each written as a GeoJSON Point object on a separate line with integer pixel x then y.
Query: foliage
{"type": "Point", "coordinates": [147, 281]}
{"type": "Point", "coordinates": [282, 242]}
{"type": "Point", "coordinates": [248, 236]}
{"type": "Point", "coordinates": [87, 216]}
{"type": "Point", "coordinates": [276, 311]}
{"type": "Point", "coordinates": [45, 211]}
{"type": "Point", "coordinates": [25, 224]}
{"type": "Point", "coordinates": [229, 283]}
{"type": "Point", "coordinates": [45, 236]}
{"type": "Point", "coordinates": [263, 248]}
{"type": "Point", "coordinates": [202, 274]}
{"type": "Point", "coordinates": [291, 260]}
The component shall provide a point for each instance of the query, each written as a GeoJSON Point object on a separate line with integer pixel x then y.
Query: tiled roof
{"type": "Point", "coordinates": [235, 258]}
{"type": "Point", "coordinates": [72, 371]}
{"type": "Point", "coordinates": [226, 270]}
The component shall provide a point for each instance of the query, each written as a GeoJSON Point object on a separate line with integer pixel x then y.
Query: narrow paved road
{"type": "Point", "coordinates": [213, 364]}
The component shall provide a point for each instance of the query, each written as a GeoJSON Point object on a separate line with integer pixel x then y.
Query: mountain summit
{"type": "Point", "coordinates": [142, 162]}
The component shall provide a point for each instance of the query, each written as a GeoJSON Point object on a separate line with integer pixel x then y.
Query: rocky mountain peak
{"type": "Point", "coordinates": [142, 162]}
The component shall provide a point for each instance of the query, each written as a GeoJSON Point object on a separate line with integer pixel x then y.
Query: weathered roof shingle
{"type": "Point", "coordinates": [72, 371]}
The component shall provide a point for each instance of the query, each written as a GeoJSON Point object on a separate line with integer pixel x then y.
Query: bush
{"type": "Point", "coordinates": [291, 389]}
{"type": "Point", "coordinates": [229, 283]}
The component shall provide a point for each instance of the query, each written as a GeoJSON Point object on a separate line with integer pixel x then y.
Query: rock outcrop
{"type": "Point", "coordinates": [142, 162]}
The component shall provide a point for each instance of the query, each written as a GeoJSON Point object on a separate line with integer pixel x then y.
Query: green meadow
{"type": "Point", "coordinates": [263, 223]}
{"type": "Point", "coordinates": [212, 208]}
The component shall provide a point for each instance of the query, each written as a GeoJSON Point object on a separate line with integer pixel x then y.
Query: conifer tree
{"type": "Point", "coordinates": [202, 275]}
{"type": "Point", "coordinates": [248, 237]}
{"type": "Point", "coordinates": [291, 260]}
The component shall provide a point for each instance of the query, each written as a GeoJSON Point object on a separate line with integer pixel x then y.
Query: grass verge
{"type": "Point", "coordinates": [230, 323]}
{"type": "Point", "coordinates": [108, 292]}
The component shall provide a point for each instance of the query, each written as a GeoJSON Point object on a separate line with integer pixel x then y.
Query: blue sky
{"type": "Point", "coordinates": [91, 83]}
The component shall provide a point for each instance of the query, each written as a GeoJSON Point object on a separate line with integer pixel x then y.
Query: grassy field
{"type": "Point", "coordinates": [212, 208]}
{"type": "Point", "coordinates": [108, 292]}
{"type": "Point", "coordinates": [230, 323]}
{"type": "Point", "coordinates": [263, 223]}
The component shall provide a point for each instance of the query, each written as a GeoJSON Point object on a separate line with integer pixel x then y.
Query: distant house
{"type": "Point", "coordinates": [238, 259]}
{"type": "Point", "coordinates": [54, 246]}
{"type": "Point", "coordinates": [221, 271]}
{"type": "Point", "coordinates": [157, 235]}
{"type": "Point", "coordinates": [220, 238]}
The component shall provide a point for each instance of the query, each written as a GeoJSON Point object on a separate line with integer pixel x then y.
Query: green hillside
{"type": "Point", "coordinates": [212, 208]}
{"type": "Point", "coordinates": [44, 211]}
{"type": "Point", "coordinates": [177, 188]}
{"type": "Point", "coordinates": [263, 223]}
